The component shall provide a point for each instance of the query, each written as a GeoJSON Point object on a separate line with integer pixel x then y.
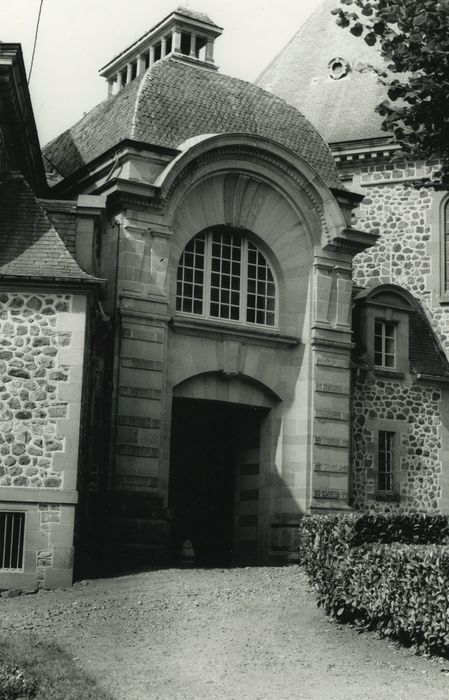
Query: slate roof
{"type": "Point", "coordinates": [426, 356]}
{"type": "Point", "coordinates": [200, 16]}
{"type": "Point", "coordinates": [29, 244]}
{"type": "Point", "coordinates": [63, 216]}
{"type": "Point", "coordinates": [342, 110]}
{"type": "Point", "coordinates": [174, 101]}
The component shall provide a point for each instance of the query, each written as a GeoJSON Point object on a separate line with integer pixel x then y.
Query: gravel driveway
{"type": "Point", "coordinates": [237, 633]}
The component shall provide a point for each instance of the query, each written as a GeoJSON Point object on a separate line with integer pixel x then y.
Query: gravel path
{"type": "Point", "coordinates": [238, 633]}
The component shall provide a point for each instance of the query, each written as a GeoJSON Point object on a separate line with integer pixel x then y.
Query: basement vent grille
{"type": "Point", "coordinates": [12, 529]}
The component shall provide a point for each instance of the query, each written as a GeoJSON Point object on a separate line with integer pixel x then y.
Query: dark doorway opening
{"type": "Point", "coordinates": [207, 439]}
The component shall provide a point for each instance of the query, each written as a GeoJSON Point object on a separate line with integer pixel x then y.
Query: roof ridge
{"type": "Point", "coordinates": [146, 76]}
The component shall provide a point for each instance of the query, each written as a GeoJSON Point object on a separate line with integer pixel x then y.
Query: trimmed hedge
{"type": "Point", "coordinates": [392, 584]}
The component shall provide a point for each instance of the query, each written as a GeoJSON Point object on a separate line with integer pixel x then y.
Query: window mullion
{"type": "Point", "coordinates": [244, 280]}
{"type": "Point", "coordinates": [207, 273]}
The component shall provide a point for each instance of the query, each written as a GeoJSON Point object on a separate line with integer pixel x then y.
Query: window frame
{"type": "Point", "coordinates": [383, 351]}
{"type": "Point", "coordinates": [21, 541]}
{"type": "Point", "coordinates": [399, 428]}
{"type": "Point", "coordinates": [445, 246]}
{"type": "Point", "coordinates": [389, 456]}
{"type": "Point", "coordinates": [245, 242]}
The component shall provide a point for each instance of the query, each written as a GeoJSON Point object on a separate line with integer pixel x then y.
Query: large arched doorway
{"type": "Point", "coordinates": [220, 449]}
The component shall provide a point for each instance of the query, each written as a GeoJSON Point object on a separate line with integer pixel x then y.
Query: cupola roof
{"type": "Point", "coordinates": [188, 34]}
{"type": "Point", "coordinates": [173, 101]}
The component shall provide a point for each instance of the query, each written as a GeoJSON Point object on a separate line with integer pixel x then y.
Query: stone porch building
{"type": "Point", "coordinates": [213, 372]}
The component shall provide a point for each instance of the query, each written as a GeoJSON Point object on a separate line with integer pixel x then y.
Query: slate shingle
{"type": "Point", "coordinates": [426, 357]}
{"type": "Point", "coordinates": [29, 244]}
{"type": "Point", "coordinates": [341, 110]}
{"type": "Point", "coordinates": [174, 101]}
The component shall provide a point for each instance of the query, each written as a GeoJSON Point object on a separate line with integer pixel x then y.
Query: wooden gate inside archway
{"type": "Point", "coordinates": [219, 455]}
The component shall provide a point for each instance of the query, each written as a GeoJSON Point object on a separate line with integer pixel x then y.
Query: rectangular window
{"type": "Point", "coordinates": [12, 529]}
{"type": "Point", "coordinates": [385, 461]}
{"type": "Point", "coordinates": [384, 344]}
{"type": "Point", "coordinates": [446, 246]}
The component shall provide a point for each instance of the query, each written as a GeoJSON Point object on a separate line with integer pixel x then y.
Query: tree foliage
{"type": "Point", "coordinates": [413, 38]}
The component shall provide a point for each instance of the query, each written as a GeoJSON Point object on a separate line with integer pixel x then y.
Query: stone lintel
{"type": "Point", "coordinates": [329, 414]}
{"type": "Point", "coordinates": [139, 363]}
{"type": "Point", "coordinates": [333, 344]}
{"type": "Point", "coordinates": [220, 330]}
{"type": "Point", "coordinates": [143, 317]}
{"type": "Point", "coordinates": [331, 468]}
{"type": "Point", "coordinates": [330, 494]}
{"type": "Point", "coordinates": [145, 335]}
{"type": "Point", "coordinates": [332, 389]}
{"type": "Point", "coordinates": [139, 392]}
{"type": "Point", "coordinates": [135, 482]}
{"type": "Point", "coordinates": [330, 507]}
{"type": "Point", "coordinates": [330, 360]}
{"type": "Point", "coordinates": [139, 422]}
{"type": "Point", "coordinates": [137, 451]}
{"type": "Point", "coordinates": [331, 441]}
{"type": "Point", "coordinates": [22, 494]}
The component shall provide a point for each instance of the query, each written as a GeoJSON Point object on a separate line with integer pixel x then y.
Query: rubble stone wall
{"type": "Point", "coordinates": [29, 377]}
{"type": "Point", "coordinates": [414, 412]}
{"type": "Point", "coordinates": [42, 348]}
{"type": "Point", "coordinates": [409, 250]}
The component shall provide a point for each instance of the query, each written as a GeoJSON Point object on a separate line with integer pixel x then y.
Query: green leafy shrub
{"type": "Point", "coordinates": [400, 588]}
{"type": "Point", "coordinates": [15, 683]}
{"type": "Point", "coordinates": [408, 528]}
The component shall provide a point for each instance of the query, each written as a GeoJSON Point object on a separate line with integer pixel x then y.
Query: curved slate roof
{"type": "Point", "coordinates": [342, 110]}
{"type": "Point", "coordinates": [174, 101]}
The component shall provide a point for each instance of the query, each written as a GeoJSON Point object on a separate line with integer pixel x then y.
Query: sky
{"type": "Point", "coordinates": [77, 37]}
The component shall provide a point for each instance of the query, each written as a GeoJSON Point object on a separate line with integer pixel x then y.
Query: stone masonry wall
{"type": "Point", "coordinates": [399, 212]}
{"type": "Point", "coordinates": [408, 251]}
{"type": "Point", "coordinates": [418, 408]}
{"type": "Point", "coordinates": [29, 378]}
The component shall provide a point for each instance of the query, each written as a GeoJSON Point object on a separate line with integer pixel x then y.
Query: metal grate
{"type": "Point", "coordinates": [12, 529]}
{"type": "Point", "coordinates": [385, 461]}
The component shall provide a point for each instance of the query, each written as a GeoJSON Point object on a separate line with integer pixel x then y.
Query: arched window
{"type": "Point", "coordinates": [223, 275]}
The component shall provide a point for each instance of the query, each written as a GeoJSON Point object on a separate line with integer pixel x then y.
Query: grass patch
{"type": "Point", "coordinates": [31, 668]}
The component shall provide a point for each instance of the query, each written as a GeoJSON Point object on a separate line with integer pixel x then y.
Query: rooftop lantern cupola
{"type": "Point", "coordinates": [184, 34]}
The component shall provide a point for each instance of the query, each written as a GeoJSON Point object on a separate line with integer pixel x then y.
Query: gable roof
{"type": "Point", "coordinates": [342, 109]}
{"type": "Point", "coordinates": [29, 244]}
{"type": "Point", "coordinates": [174, 101]}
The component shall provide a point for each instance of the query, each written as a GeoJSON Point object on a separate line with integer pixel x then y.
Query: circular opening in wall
{"type": "Point", "coordinates": [338, 68]}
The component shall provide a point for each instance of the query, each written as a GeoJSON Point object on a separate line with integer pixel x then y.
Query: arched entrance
{"type": "Point", "coordinates": [220, 448]}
